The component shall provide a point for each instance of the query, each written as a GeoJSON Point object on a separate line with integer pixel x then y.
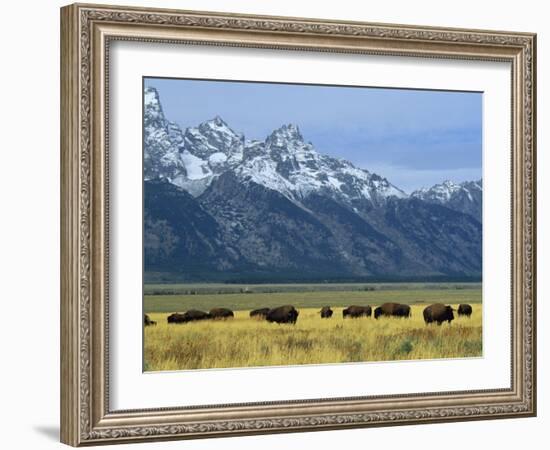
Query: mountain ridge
{"type": "Point", "coordinates": [465, 197]}
{"type": "Point", "coordinates": [268, 208]}
{"type": "Point", "coordinates": [283, 161]}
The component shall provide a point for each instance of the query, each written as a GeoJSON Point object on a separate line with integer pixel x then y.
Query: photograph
{"type": "Point", "coordinates": [289, 224]}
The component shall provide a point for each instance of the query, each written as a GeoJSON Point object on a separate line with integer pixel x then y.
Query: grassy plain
{"type": "Point", "coordinates": [246, 342]}
{"type": "Point", "coordinates": [345, 295]}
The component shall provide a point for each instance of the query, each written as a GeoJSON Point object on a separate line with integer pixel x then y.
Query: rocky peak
{"type": "Point", "coordinates": [285, 134]}
{"type": "Point", "coordinates": [151, 98]}
{"type": "Point", "coordinates": [442, 191]}
{"type": "Point", "coordinates": [216, 126]}
{"type": "Point", "coordinates": [213, 136]}
{"type": "Point", "coordinates": [152, 109]}
{"type": "Point", "coordinates": [465, 197]}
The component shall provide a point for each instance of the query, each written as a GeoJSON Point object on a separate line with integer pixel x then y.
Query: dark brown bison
{"type": "Point", "coordinates": [464, 310]}
{"type": "Point", "coordinates": [439, 313]}
{"type": "Point", "coordinates": [392, 309]}
{"type": "Point", "coordinates": [403, 311]}
{"type": "Point", "coordinates": [283, 314]}
{"type": "Point", "coordinates": [188, 316]}
{"type": "Point", "coordinates": [176, 318]}
{"type": "Point", "coordinates": [357, 311]}
{"type": "Point", "coordinates": [147, 320]}
{"type": "Point", "coordinates": [326, 312]}
{"type": "Point", "coordinates": [221, 313]}
{"type": "Point", "coordinates": [260, 313]}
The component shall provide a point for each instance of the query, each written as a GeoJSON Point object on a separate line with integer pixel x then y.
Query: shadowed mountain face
{"type": "Point", "coordinates": [180, 235]}
{"type": "Point", "coordinates": [220, 207]}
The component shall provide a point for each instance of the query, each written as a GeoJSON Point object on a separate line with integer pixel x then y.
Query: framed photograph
{"type": "Point", "coordinates": [278, 224]}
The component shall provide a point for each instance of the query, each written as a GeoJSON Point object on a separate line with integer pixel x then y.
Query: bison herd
{"type": "Point", "coordinates": [436, 313]}
{"type": "Point", "coordinates": [193, 315]}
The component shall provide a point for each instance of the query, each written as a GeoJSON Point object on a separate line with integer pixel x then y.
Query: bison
{"type": "Point", "coordinates": [176, 318]}
{"type": "Point", "coordinates": [392, 309]}
{"type": "Point", "coordinates": [464, 310]}
{"type": "Point", "coordinates": [439, 313]}
{"type": "Point", "coordinates": [357, 311]}
{"type": "Point", "coordinates": [326, 312]}
{"type": "Point", "coordinates": [188, 316]}
{"type": "Point", "coordinates": [147, 320]}
{"type": "Point", "coordinates": [260, 313]}
{"type": "Point", "coordinates": [403, 311]}
{"type": "Point", "coordinates": [221, 313]}
{"type": "Point", "coordinates": [283, 314]}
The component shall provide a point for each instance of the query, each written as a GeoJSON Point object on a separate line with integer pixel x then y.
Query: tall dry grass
{"type": "Point", "coordinates": [246, 342]}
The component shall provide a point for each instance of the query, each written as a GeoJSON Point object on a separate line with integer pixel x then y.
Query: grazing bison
{"type": "Point", "coordinates": [326, 312]}
{"type": "Point", "coordinates": [176, 318]}
{"type": "Point", "coordinates": [147, 320]}
{"type": "Point", "coordinates": [357, 311]}
{"type": "Point", "coordinates": [403, 311]}
{"type": "Point", "coordinates": [464, 310]}
{"type": "Point", "coordinates": [260, 313]}
{"type": "Point", "coordinates": [188, 316]}
{"type": "Point", "coordinates": [283, 314]}
{"type": "Point", "coordinates": [439, 313]}
{"type": "Point", "coordinates": [392, 309]}
{"type": "Point", "coordinates": [221, 313]}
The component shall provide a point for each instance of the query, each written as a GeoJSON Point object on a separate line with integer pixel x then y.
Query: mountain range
{"type": "Point", "coordinates": [220, 207]}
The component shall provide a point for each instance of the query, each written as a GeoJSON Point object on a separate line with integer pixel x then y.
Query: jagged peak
{"type": "Point", "coordinates": [216, 126]}
{"type": "Point", "coordinates": [152, 106]}
{"type": "Point", "coordinates": [446, 184]}
{"type": "Point", "coordinates": [449, 184]}
{"type": "Point", "coordinates": [286, 131]}
{"type": "Point", "coordinates": [151, 96]}
{"type": "Point", "coordinates": [217, 122]}
{"type": "Point", "coordinates": [447, 188]}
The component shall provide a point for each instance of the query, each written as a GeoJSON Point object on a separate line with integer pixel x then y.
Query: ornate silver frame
{"type": "Point", "coordinates": [86, 31]}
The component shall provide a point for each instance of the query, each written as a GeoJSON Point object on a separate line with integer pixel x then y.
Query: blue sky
{"type": "Point", "coordinates": [414, 138]}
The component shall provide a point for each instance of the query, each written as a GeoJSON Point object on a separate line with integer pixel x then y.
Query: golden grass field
{"type": "Point", "coordinates": [246, 342]}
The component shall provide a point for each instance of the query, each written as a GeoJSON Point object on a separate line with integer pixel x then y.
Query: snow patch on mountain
{"type": "Point", "coordinates": [217, 158]}
{"type": "Point", "coordinates": [263, 171]}
{"type": "Point", "coordinates": [195, 167]}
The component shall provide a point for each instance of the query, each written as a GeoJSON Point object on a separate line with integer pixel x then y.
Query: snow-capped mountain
{"type": "Point", "coordinates": [162, 141]}
{"type": "Point", "coordinates": [465, 197]}
{"type": "Point", "coordinates": [284, 162]}
{"type": "Point", "coordinates": [220, 206]}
